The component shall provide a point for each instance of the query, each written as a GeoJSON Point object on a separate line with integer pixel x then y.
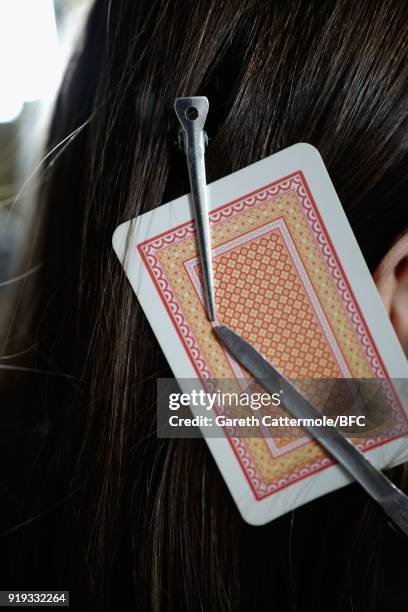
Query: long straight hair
{"type": "Point", "coordinates": [96, 502]}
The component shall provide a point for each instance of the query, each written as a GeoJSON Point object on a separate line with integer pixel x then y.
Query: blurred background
{"type": "Point", "coordinates": [36, 40]}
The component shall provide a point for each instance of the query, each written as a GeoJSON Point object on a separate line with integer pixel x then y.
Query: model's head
{"type": "Point", "coordinates": [154, 515]}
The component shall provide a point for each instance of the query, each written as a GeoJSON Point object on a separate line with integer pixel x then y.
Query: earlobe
{"type": "Point", "coordinates": [391, 278]}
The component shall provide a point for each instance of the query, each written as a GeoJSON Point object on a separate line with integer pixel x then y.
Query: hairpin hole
{"type": "Point", "coordinates": [191, 113]}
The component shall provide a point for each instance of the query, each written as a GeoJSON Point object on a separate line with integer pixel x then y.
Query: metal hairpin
{"type": "Point", "coordinates": [380, 488]}
{"type": "Point", "coordinates": [192, 113]}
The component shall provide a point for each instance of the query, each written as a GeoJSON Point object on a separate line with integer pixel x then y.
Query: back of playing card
{"type": "Point", "coordinates": [290, 278]}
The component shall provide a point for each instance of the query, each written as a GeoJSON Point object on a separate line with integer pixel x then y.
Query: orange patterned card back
{"type": "Point", "coordinates": [279, 283]}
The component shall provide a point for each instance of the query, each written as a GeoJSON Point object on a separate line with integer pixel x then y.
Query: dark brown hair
{"type": "Point", "coordinates": [95, 502]}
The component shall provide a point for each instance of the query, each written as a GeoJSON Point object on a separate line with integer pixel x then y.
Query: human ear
{"type": "Point", "coordinates": [391, 278]}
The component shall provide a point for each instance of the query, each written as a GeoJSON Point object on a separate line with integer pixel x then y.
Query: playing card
{"type": "Point", "coordinates": [290, 278]}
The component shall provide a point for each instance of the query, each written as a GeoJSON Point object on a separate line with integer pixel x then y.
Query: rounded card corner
{"type": "Point", "coordinates": [309, 150]}
{"type": "Point", "coordinates": [118, 235]}
{"type": "Point", "coordinates": [252, 517]}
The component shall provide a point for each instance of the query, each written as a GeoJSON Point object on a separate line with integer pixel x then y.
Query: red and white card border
{"type": "Point", "coordinates": [305, 157]}
{"type": "Point", "coordinates": [296, 184]}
